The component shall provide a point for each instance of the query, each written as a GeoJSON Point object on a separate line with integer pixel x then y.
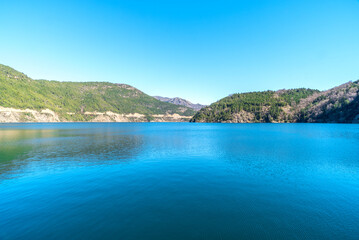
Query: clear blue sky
{"type": "Point", "coordinates": [198, 50]}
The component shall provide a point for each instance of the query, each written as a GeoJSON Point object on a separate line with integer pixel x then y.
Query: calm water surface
{"type": "Point", "coordinates": [179, 181]}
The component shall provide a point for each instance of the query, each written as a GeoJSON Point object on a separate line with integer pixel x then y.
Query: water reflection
{"type": "Point", "coordinates": [21, 148]}
{"type": "Point", "coordinates": [179, 181]}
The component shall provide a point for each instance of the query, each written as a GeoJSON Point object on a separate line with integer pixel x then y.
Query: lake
{"type": "Point", "coordinates": [179, 181]}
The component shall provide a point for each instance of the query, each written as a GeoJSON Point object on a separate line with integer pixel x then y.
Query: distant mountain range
{"type": "Point", "coordinates": [23, 99]}
{"type": "Point", "coordinates": [181, 102]}
{"type": "Point", "coordinates": [336, 105]}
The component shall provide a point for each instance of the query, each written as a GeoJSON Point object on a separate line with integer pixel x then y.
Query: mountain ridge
{"type": "Point", "coordinates": [23, 99]}
{"type": "Point", "coordinates": [75, 101]}
{"type": "Point", "coordinates": [181, 102]}
{"type": "Point", "coordinates": [336, 105]}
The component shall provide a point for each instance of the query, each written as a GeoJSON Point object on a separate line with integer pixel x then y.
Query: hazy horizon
{"type": "Point", "coordinates": [201, 51]}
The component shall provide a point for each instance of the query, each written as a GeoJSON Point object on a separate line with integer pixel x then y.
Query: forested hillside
{"type": "Point", "coordinates": [340, 104]}
{"type": "Point", "coordinates": [268, 106]}
{"type": "Point", "coordinates": [70, 100]}
{"type": "Point", "coordinates": [25, 99]}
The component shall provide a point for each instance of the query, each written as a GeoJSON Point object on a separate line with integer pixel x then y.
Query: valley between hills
{"type": "Point", "coordinates": [23, 99]}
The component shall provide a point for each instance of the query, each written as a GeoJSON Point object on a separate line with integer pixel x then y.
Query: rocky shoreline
{"type": "Point", "coordinates": [12, 115]}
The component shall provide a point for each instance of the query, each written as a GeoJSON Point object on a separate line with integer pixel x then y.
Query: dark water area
{"type": "Point", "coordinates": [179, 181]}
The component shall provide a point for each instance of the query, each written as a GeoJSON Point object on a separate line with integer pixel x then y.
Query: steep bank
{"type": "Point", "coordinates": [11, 115]}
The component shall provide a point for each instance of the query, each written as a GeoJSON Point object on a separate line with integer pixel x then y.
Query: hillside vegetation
{"type": "Point", "coordinates": [268, 106]}
{"type": "Point", "coordinates": [70, 100]}
{"type": "Point", "coordinates": [25, 99]}
{"type": "Point", "coordinates": [340, 104]}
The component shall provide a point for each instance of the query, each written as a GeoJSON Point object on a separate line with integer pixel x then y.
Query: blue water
{"type": "Point", "coordinates": [179, 181]}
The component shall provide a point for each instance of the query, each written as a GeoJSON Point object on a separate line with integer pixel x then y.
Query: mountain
{"type": "Point", "coordinates": [23, 99]}
{"type": "Point", "coordinates": [181, 102]}
{"type": "Point", "coordinates": [336, 105]}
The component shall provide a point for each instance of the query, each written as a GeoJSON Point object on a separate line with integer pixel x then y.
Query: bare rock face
{"type": "Point", "coordinates": [243, 117]}
{"type": "Point", "coordinates": [11, 115]}
{"type": "Point", "coordinates": [136, 117]}
{"type": "Point", "coordinates": [17, 115]}
{"type": "Point", "coordinates": [170, 118]}
{"type": "Point", "coordinates": [180, 101]}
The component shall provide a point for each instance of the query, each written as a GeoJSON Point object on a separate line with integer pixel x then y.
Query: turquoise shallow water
{"type": "Point", "coordinates": [179, 181]}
